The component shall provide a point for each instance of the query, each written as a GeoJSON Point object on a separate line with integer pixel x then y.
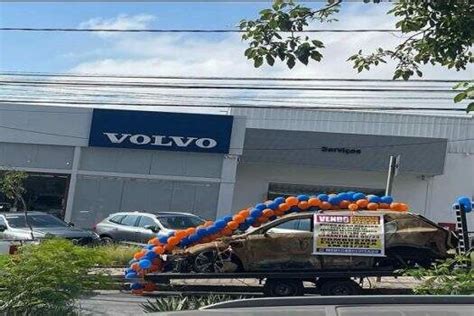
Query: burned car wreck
{"type": "Point", "coordinates": [286, 244]}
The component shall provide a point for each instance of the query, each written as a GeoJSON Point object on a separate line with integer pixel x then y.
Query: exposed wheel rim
{"type": "Point", "coordinates": [283, 289]}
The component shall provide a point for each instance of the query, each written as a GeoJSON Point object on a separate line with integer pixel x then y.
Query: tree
{"type": "Point", "coordinates": [439, 33]}
{"type": "Point", "coordinates": [12, 185]}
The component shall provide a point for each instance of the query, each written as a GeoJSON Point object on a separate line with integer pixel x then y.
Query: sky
{"type": "Point", "coordinates": [179, 54]}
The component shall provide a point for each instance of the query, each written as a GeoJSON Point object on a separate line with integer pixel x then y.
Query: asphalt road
{"type": "Point", "coordinates": [112, 303]}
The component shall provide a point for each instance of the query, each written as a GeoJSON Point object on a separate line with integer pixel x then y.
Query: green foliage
{"type": "Point", "coordinates": [12, 183]}
{"type": "Point", "coordinates": [467, 92]}
{"type": "Point", "coordinates": [441, 34]}
{"type": "Point", "coordinates": [266, 43]}
{"type": "Point", "coordinates": [48, 277]}
{"type": "Point", "coordinates": [180, 303]}
{"type": "Point", "coordinates": [449, 277]}
{"type": "Point", "coordinates": [115, 254]}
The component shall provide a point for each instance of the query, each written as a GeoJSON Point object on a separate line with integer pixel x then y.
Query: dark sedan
{"type": "Point", "coordinates": [14, 227]}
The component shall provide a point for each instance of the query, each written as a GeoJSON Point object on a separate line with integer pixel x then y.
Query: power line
{"type": "Point", "coordinates": [111, 30]}
{"type": "Point", "coordinates": [218, 87]}
{"type": "Point", "coordinates": [85, 75]}
{"type": "Point", "coordinates": [295, 107]}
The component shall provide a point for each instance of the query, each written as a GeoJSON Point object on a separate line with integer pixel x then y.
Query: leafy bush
{"type": "Point", "coordinates": [180, 303]}
{"type": "Point", "coordinates": [453, 276]}
{"type": "Point", "coordinates": [115, 255]}
{"type": "Point", "coordinates": [47, 278]}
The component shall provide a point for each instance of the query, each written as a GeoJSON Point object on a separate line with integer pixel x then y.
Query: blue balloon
{"type": "Point", "coordinates": [358, 196]}
{"type": "Point", "coordinates": [293, 209]}
{"type": "Point", "coordinates": [272, 218]}
{"type": "Point", "coordinates": [144, 263]}
{"type": "Point", "coordinates": [163, 239]}
{"type": "Point", "coordinates": [373, 199]}
{"type": "Point", "coordinates": [220, 224]}
{"type": "Point", "coordinates": [243, 227]}
{"type": "Point", "coordinates": [150, 247]}
{"type": "Point", "coordinates": [136, 286]}
{"type": "Point", "coordinates": [150, 255]}
{"type": "Point", "coordinates": [334, 200]}
{"type": "Point", "coordinates": [227, 218]}
{"type": "Point", "coordinates": [279, 200]}
{"type": "Point", "coordinates": [193, 238]}
{"type": "Point", "coordinates": [250, 220]}
{"type": "Point", "coordinates": [323, 197]}
{"type": "Point", "coordinates": [213, 229]}
{"type": "Point", "coordinates": [466, 203]}
{"type": "Point", "coordinates": [350, 195]}
{"type": "Point", "coordinates": [131, 275]}
{"type": "Point", "coordinates": [303, 197]}
{"type": "Point", "coordinates": [387, 199]}
{"type": "Point", "coordinates": [256, 213]}
{"type": "Point", "coordinates": [273, 205]}
{"type": "Point", "coordinates": [344, 196]}
{"type": "Point", "coordinates": [201, 232]}
{"type": "Point", "coordinates": [260, 206]}
{"type": "Point", "coordinates": [184, 242]}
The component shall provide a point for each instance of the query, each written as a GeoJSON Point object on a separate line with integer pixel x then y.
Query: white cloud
{"type": "Point", "coordinates": [122, 22]}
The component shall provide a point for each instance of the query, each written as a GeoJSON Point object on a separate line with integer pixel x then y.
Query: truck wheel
{"type": "Point", "coordinates": [283, 287]}
{"type": "Point", "coordinates": [338, 287]}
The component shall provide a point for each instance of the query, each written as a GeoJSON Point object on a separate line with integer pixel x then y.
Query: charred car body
{"type": "Point", "coordinates": [286, 244]}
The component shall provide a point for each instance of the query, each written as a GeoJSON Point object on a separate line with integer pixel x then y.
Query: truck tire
{"type": "Point", "coordinates": [337, 287]}
{"type": "Point", "coordinates": [283, 287]}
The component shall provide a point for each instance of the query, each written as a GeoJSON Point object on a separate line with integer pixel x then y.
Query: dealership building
{"type": "Point", "coordinates": [85, 163]}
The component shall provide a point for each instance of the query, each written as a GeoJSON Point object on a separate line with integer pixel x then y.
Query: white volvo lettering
{"type": "Point", "coordinates": [140, 139]}
{"type": "Point", "coordinates": [160, 140]}
{"type": "Point", "coordinates": [114, 139]}
{"type": "Point", "coordinates": [206, 143]}
{"type": "Point", "coordinates": [178, 140]}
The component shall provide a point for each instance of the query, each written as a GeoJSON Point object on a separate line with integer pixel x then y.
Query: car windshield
{"type": "Point", "coordinates": [37, 220]}
{"type": "Point", "coordinates": [180, 222]}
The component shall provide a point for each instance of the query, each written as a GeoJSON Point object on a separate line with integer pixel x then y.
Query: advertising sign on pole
{"type": "Point", "coordinates": [349, 235]}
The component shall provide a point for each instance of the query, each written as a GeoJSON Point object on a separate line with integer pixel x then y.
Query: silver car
{"type": "Point", "coordinates": [140, 227]}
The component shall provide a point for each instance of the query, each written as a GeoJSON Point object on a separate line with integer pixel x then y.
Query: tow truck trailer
{"type": "Point", "coordinates": [288, 283]}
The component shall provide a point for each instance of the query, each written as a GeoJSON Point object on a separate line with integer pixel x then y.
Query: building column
{"type": "Point", "coordinates": [226, 189]}
{"type": "Point", "coordinates": [72, 184]}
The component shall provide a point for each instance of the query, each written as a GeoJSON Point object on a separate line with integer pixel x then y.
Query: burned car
{"type": "Point", "coordinates": [286, 244]}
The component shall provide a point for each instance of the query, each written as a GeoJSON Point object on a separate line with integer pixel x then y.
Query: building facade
{"type": "Point", "coordinates": [87, 163]}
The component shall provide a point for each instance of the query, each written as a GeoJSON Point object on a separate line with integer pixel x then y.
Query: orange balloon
{"type": "Point", "coordinates": [284, 207]}
{"type": "Point", "coordinates": [180, 234]}
{"type": "Point", "coordinates": [205, 239]}
{"type": "Point", "coordinates": [362, 203]}
{"type": "Point", "coordinates": [267, 213]}
{"type": "Point", "coordinates": [403, 207]}
{"type": "Point", "coordinates": [262, 219]}
{"type": "Point", "coordinates": [372, 206]}
{"type": "Point", "coordinates": [335, 207]}
{"type": "Point", "coordinates": [137, 292]}
{"type": "Point", "coordinates": [291, 201]}
{"type": "Point", "coordinates": [256, 224]}
{"type": "Point", "coordinates": [138, 255]}
{"type": "Point", "coordinates": [239, 219]}
{"type": "Point", "coordinates": [303, 205]}
{"type": "Point", "coordinates": [227, 231]}
{"type": "Point", "coordinates": [134, 266]}
{"type": "Point", "coordinates": [325, 205]}
{"type": "Point", "coordinates": [353, 207]}
{"type": "Point", "coordinates": [169, 247]}
{"type": "Point", "coordinates": [173, 241]}
{"type": "Point", "coordinates": [279, 213]}
{"type": "Point", "coordinates": [384, 206]}
{"type": "Point", "coordinates": [152, 241]}
{"type": "Point", "coordinates": [232, 225]}
{"type": "Point", "coordinates": [208, 223]}
{"type": "Point", "coordinates": [244, 213]}
{"type": "Point", "coordinates": [190, 231]}
{"type": "Point", "coordinates": [314, 202]}
{"type": "Point", "coordinates": [344, 204]}
{"type": "Point", "coordinates": [395, 206]}
{"type": "Point", "coordinates": [159, 250]}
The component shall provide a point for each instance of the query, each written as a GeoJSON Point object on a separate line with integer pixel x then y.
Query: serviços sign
{"type": "Point", "coordinates": [161, 131]}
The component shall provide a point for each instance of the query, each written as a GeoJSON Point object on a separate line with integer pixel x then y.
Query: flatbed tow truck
{"type": "Point", "coordinates": [288, 283]}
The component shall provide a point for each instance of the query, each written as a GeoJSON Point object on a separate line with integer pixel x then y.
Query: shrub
{"type": "Point", "coordinates": [115, 254]}
{"type": "Point", "coordinates": [180, 303]}
{"type": "Point", "coordinates": [47, 278]}
{"type": "Point", "coordinates": [454, 276]}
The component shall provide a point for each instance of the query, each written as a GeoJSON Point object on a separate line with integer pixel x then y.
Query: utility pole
{"type": "Point", "coordinates": [392, 173]}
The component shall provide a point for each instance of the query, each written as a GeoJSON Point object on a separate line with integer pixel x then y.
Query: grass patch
{"type": "Point", "coordinates": [114, 255]}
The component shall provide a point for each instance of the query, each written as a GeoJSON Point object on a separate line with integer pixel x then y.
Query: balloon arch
{"type": "Point", "coordinates": [150, 258]}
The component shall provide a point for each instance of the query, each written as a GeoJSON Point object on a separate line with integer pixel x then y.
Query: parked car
{"type": "Point", "coordinates": [140, 227]}
{"type": "Point", "coordinates": [287, 244]}
{"type": "Point", "coordinates": [13, 227]}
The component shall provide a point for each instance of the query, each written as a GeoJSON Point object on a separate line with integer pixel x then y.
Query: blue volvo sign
{"type": "Point", "coordinates": [161, 130]}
